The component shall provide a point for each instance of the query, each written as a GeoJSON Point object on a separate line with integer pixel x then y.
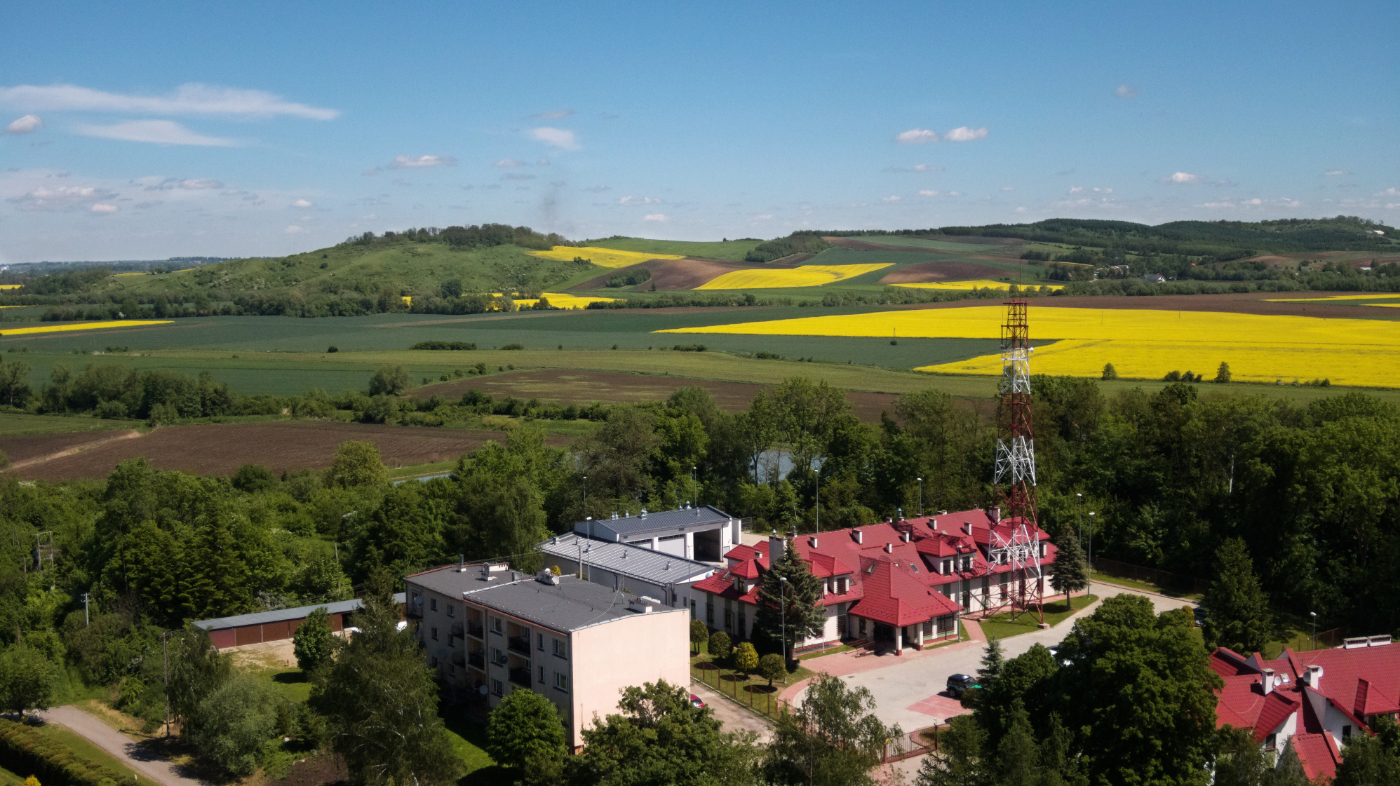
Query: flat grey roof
{"type": "Point", "coordinates": [627, 560]}
{"type": "Point", "coordinates": [282, 615]}
{"type": "Point", "coordinates": [570, 605]}
{"type": "Point", "coordinates": [673, 520]}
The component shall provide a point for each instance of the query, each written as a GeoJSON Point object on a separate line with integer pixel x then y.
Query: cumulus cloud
{"type": "Point", "coordinates": [508, 163]}
{"type": "Point", "coordinates": [1020, 209]}
{"type": "Point", "coordinates": [555, 115]}
{"type": "Point", "coordinates": [965, 134]}
{"type": "Point", "coordinates": [1183, 177]}
{"type": "Point", "coordinates": [916, 136]}
{"type": "Point", "coordinates": [557, 137]}
{"type": "Point", "coordinates": [103, 207]}
{"type": "Point", "coordinates": [1390, 192]}
{"type": "Point", "coordinates": [655, 217]}
{"type": "Point", "coordinates": [421, 162]}
{"type": "Point", "coordinates": [24, 125]}
{"type": "Point", "coordinates": [890, 200]}
{"type": "Point", "coordinates": [188, 99]}
{"type": "Point", "coordinates": [1081, 189]}
{"type": "Point", "coordinates": [173, 183]}
{"type": "Point", "coordinates": [1125, 91]}
{"type": "Point", "coordinates": [1336, 172]}
{"type": "Point", "coordinates": [636, 200]}
{"type": "Point", "coordinates": [159, 132]}
{"type": "Point", "coordinates": [301, 203]}
{"type": "Point", "coordinates": [63, 198]}
{"type": "Point", "coordinates": [929, 192]}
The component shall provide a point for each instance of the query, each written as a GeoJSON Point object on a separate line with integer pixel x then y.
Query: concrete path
{"type": "Point", "coordinates": [120, 746]}
{"type": "Point", "coordinates": [911, 689]}
{"type": "Point", "coordinates": [730, 715]}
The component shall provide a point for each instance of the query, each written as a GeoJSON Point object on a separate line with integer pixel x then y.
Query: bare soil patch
{"type": "Point", "coordinates": [687, 273]}
{"type": "Point", "coordinates": [25, 448]}
{"type": "Point", "coordinates": [281, 446]}
{"type": "Point", "coordinates": [568, 386]}
{"type": "Point", "coordinates": [941, 271]}
{"type": "Point", "coordinates": [318, 770]}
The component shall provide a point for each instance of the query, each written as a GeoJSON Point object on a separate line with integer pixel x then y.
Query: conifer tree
{"type": "Point", "coordinates": [1237, 610]}
{"type": "Point", "coordinates": [794, 605]}
{"type": "Point", "coordinates": [1070, 571]}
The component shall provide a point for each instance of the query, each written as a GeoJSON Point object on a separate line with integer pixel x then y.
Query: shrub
{"type": "Point", "coordinates": [513, 346]}
{"type": "Point", "coordinates": [1109, 372]}
{"type": "Point", "coordinates": [745, 658]}
{"type": "Point", "coordinates": [689, 348]}
{"type": "Point", "coordinates": [456, 346]}
{"type": "Point", "coordinates": [719, 645]}
{"type": "Point", "coordinates": [770, 667]}
{"type": "Point", "coordinates": [332, 348]}
{"type": "Point", "coordinates": [24, 749]}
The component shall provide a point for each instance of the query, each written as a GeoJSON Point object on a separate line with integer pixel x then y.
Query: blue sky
{"type": "Point", "coordinates": [144, 131]}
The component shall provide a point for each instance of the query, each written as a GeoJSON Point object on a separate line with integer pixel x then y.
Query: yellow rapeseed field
{"type": "Point", "coordinates": [801, 276]}
{"type": "Point", "coordinates": [977, 284]}
{"type": "Point", "coordinates": [563, 300]}
{"type": "Point", "coordinates": [10, 286]}
{"type": "Point", "coordinates": [1143, 344]}
{"type": "Point", "coordinates": [64, 327]}
{"type": "Point", "coordinates": [602, 257]}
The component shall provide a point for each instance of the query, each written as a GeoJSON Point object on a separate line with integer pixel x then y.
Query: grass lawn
{"type": "Point", "coordinates": [1145, 586]}
{"type": "Point", "coordinates": [1002, 625]}
{"type": "Point", "coordinates": [745, 690]}
{"type": "Point", "coordinates": [469, 741]}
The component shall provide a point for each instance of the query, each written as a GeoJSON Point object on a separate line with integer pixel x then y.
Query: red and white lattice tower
{"type": "Point", "coordinates": [1015, 539]}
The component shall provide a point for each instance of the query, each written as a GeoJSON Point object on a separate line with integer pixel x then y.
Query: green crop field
{"type": "Point", "coordinates": [727, 249]}
{"type": "Point", "coordinates": [940, 245]}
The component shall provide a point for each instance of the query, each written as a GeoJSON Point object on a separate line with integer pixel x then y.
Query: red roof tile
{"type": "Point", "coordinates": [1318, 753]}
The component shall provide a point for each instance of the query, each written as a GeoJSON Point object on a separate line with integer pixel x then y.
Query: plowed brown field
{"type": "Point", "coordinates": [687, 273]}
{"type": "Point", "coordinates": [941, 271]}
{"type": "Point", "coordinates": [586, 387]}
{"type": "Point", "coordinates": [220, 449]}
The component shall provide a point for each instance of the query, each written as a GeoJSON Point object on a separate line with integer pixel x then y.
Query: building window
{"type": "Point", "coordinates": [496, 687]}
{"type": "Point", "coordinates": [451, 610]}
{"type": "Point", "coordinates": [496, 657]}
{"type": "Point", "coordinates": [541, 675]}
{"type": "Point", "coordinates": [541, 643]}
{"type": "Point", "coordinates": [1346, 733]}
{"type": "Point", "coordinates": [434, 661]}
{"type": "Point", "coordinates": [432, 603]}
{"type": "Point", "coordinates": [561, 682]}
{"type": "Point", "coordinates": [728, 619]}
{"type": "Point", "coordinates": [452, 670]}
{"type": "Point", "coordinates": [495, 624]}
{"type": "Point", "coordinates": [710, 612]}
{"type": "Point", "coordinates": [1271, 742]}
{"type": "Point", "coordinates": [561, 648]}
{"type": "Point", "coordinates": [434, 633]}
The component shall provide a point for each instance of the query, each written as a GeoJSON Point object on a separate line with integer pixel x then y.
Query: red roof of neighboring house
{"type": "Point", "coordinates": [1318, 753]}
{"type": "Point", "coordinates": [891, 568]}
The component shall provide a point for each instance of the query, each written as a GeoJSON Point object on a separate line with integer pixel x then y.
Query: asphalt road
{"type": "Point", "coordinates": [117, 744]}
{"type": "Point", "coordinates": [910, 693]}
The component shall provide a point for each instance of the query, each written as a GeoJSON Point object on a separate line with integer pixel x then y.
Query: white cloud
{"type": "Point", "coordinates": [1075, 189]}
{"type": "Point", "coordinates": [1218, 204]}
{"type": "Point", "coordinates": [172, 183]}
{"type": "Point", "coordinates": [764, 217]}
{"type": "Point", "coordinates": [1020, 209]}
{"type": "Point", "coordinates": [889, 200]}
{"type": "Point", "coordinates": [1081, 189]}
{"type": "Point", "coordinates": [1336, 172]}
{"type": "Point", "coordinates": [555, 115]}
{"type": "Point", "coordinates": [102, 207]}
{"type": "Point", "coordinates": [188, 99]}
{"type": "Point", "coordinates": [1390, 192]}
{"type": "Point", "coordinates": [508, 163]}
{"type": "Point", "coordinates": [294, 230]}
{"type": "Point", "coordinates": [965, 134]}
{"type": "Point", "coordinates": [1125, 91]}
{"type": "Point", "coordinates": [24, 125]}
{"type": "Point", "coordinates": [954, 193]}
{"type": "Point", "coordinates": [655, 217]}
{"type": "Point", "coordinates": [159, 132]}
{"type": "Point", "coordinates": [916, 136]}
{"type": "Point", "coordinates": [421, 162]}
{"type": "Point", "coordinates": [301, 203]}
{"type": "Point", "coordinates": [927, 168]}
{"type": "Point", "coordinates": [1183, 177]}
{"type": "Point", "coordinates": [1008, 188]}
{"type": "Point", "coordinates": [542, 162]}
{"type": "Point", "coordinates": [929, 193]}
{"type": "Point", "coordinates": [635, 200]}
{"type": "Point", "coordinates": [63, 198]}
{"type": "Point", "coordinates": [558, 137]}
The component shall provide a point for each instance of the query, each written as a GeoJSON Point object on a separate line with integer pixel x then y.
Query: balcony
{"type": "Point", "coordinates": [477, 659]}
{"type": "Point", "coordinates": [520, 677]}
{"type": "Point", "coordinates": [476, 629]}
{"type": "Point", "coordinates": [456, 629]}
{"type": "Point", "coordinates": [520, 644]}
{"type": "Point", "coordinates": [459, 658]}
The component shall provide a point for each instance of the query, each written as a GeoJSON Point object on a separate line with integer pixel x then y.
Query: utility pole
{"type": "Point", "coordinates": [783, 592]}
{"type": "Point", "coordinates": [165, 667]}
{"type": "Point", "coordinates": [1314, 622]}
{"type": "Point", "coordinates": [921, 495]}
{"type": "Point", "coordinates": [86, 597]}
{"type": "Point", "coordinates": [819, 500]}
{"type": "Point", "coordinates": [694, 495]}
{"type": "Point", "coordinates": [1090, 584]}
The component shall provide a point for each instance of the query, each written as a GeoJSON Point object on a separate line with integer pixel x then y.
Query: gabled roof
{"type": "Point", "coordinates": [895, 597]}
{"type": "Point", "coordinates": [1318, 753]}
{"type": "Point", "coordinates": [284, 615]}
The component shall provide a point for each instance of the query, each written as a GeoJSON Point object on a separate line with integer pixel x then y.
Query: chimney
{"type": "Point", "coordinates": [814, 541]}
{"type": "Point", "coordinates": [933, 524]}
{"type": "Point", "coordinates": [1315, 676]}
{"type": "Point", "coordinates": [967, 527]}
{"type": "Point", "coordinates": [889, 548]}
{"type": "Point", "coordinates": [1268, 681]}
{"type": "Point", "coordinates": [856, 533]}
{"type": "Point", "coordinates": [907, 535]}
{"type": "Point", "coordinates": [642, 604]}
{"type": "Point", "coordinates": [776, 546]}
{"type": "Point", "coordinates": [461, 564]}
{"type": "Point", "coordinates": [995, 515]}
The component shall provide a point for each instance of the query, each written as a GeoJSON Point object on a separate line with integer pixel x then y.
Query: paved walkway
{"type": "Point", "coordinates": [120, 746]}
{"type": "Point", "coordinates": [732, 716]}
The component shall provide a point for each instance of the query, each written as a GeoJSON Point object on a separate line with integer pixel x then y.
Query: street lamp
{"type": "Point", "coordinates": [1090, 588]}
{"type": "Point", "coordinates": [921, 495]}
{"type": "Point", "coordinates": [783, 590]}
{"type": "Point", "coordinates": [819, 500]}
{"type": "Point", "coordinates": [1078, 518]}
{"type": "Point", "coordinates": [1314, 621]}
{"type": "Point", "coordinates": [694, 496]}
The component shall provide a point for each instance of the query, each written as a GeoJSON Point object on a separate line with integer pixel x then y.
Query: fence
{"type": "Point", "coordinates": [755, 694]}
{"type": "Point", "coordinates": [1173, 582]}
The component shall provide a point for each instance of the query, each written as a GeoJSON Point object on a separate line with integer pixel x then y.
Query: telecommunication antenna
{"type": "Point", "coordinates": [1015, 537]}
{"type": "Point", "coordinates": [44, 550]}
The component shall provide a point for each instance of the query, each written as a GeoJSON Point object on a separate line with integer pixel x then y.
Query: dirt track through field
{"type": "Point", "coordinates": [586, 387]}
{"type": "Point", "coordinates": [281, 446]}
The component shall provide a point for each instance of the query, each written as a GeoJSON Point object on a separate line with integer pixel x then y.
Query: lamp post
{"type": "Point", "coordinates": [819, 500]}
{"type": "Point", "coordinates": [1090, 584]}
{"type": "Point", "coordinates": [783, 590]}
{"type": "Point", "coordinates": [1314, 621]}
{"type": "Point", "coordinates": [1078, 517]}
{"type": "Point", "coordinates": [694, 496]}
{"type": "Point", "coordinates": [921, 495]}
{"type": "Point", "coordinates": [585, 495]}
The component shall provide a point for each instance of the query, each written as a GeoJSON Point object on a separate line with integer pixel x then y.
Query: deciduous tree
{"type": "Point", "coordinates": [313, 642]}
{"type": "Point", "coordinates": [525, 727]}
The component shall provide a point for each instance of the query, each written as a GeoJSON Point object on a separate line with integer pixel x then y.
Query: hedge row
{"type": "Point", "coordinates": [24, 751]}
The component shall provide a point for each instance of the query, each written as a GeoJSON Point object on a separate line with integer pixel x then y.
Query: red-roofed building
{"type": "Point", "coordinates": [1313, 701]}
{"type": "Point", "coordinates": [903, 581]}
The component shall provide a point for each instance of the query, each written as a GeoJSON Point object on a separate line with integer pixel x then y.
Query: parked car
{"type": "Point", "coordinates": [1200, 615]}
{"type": "Point", "coordinates": [697, 702]}
{"type": "Point", "coordinates": [958, 684]}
